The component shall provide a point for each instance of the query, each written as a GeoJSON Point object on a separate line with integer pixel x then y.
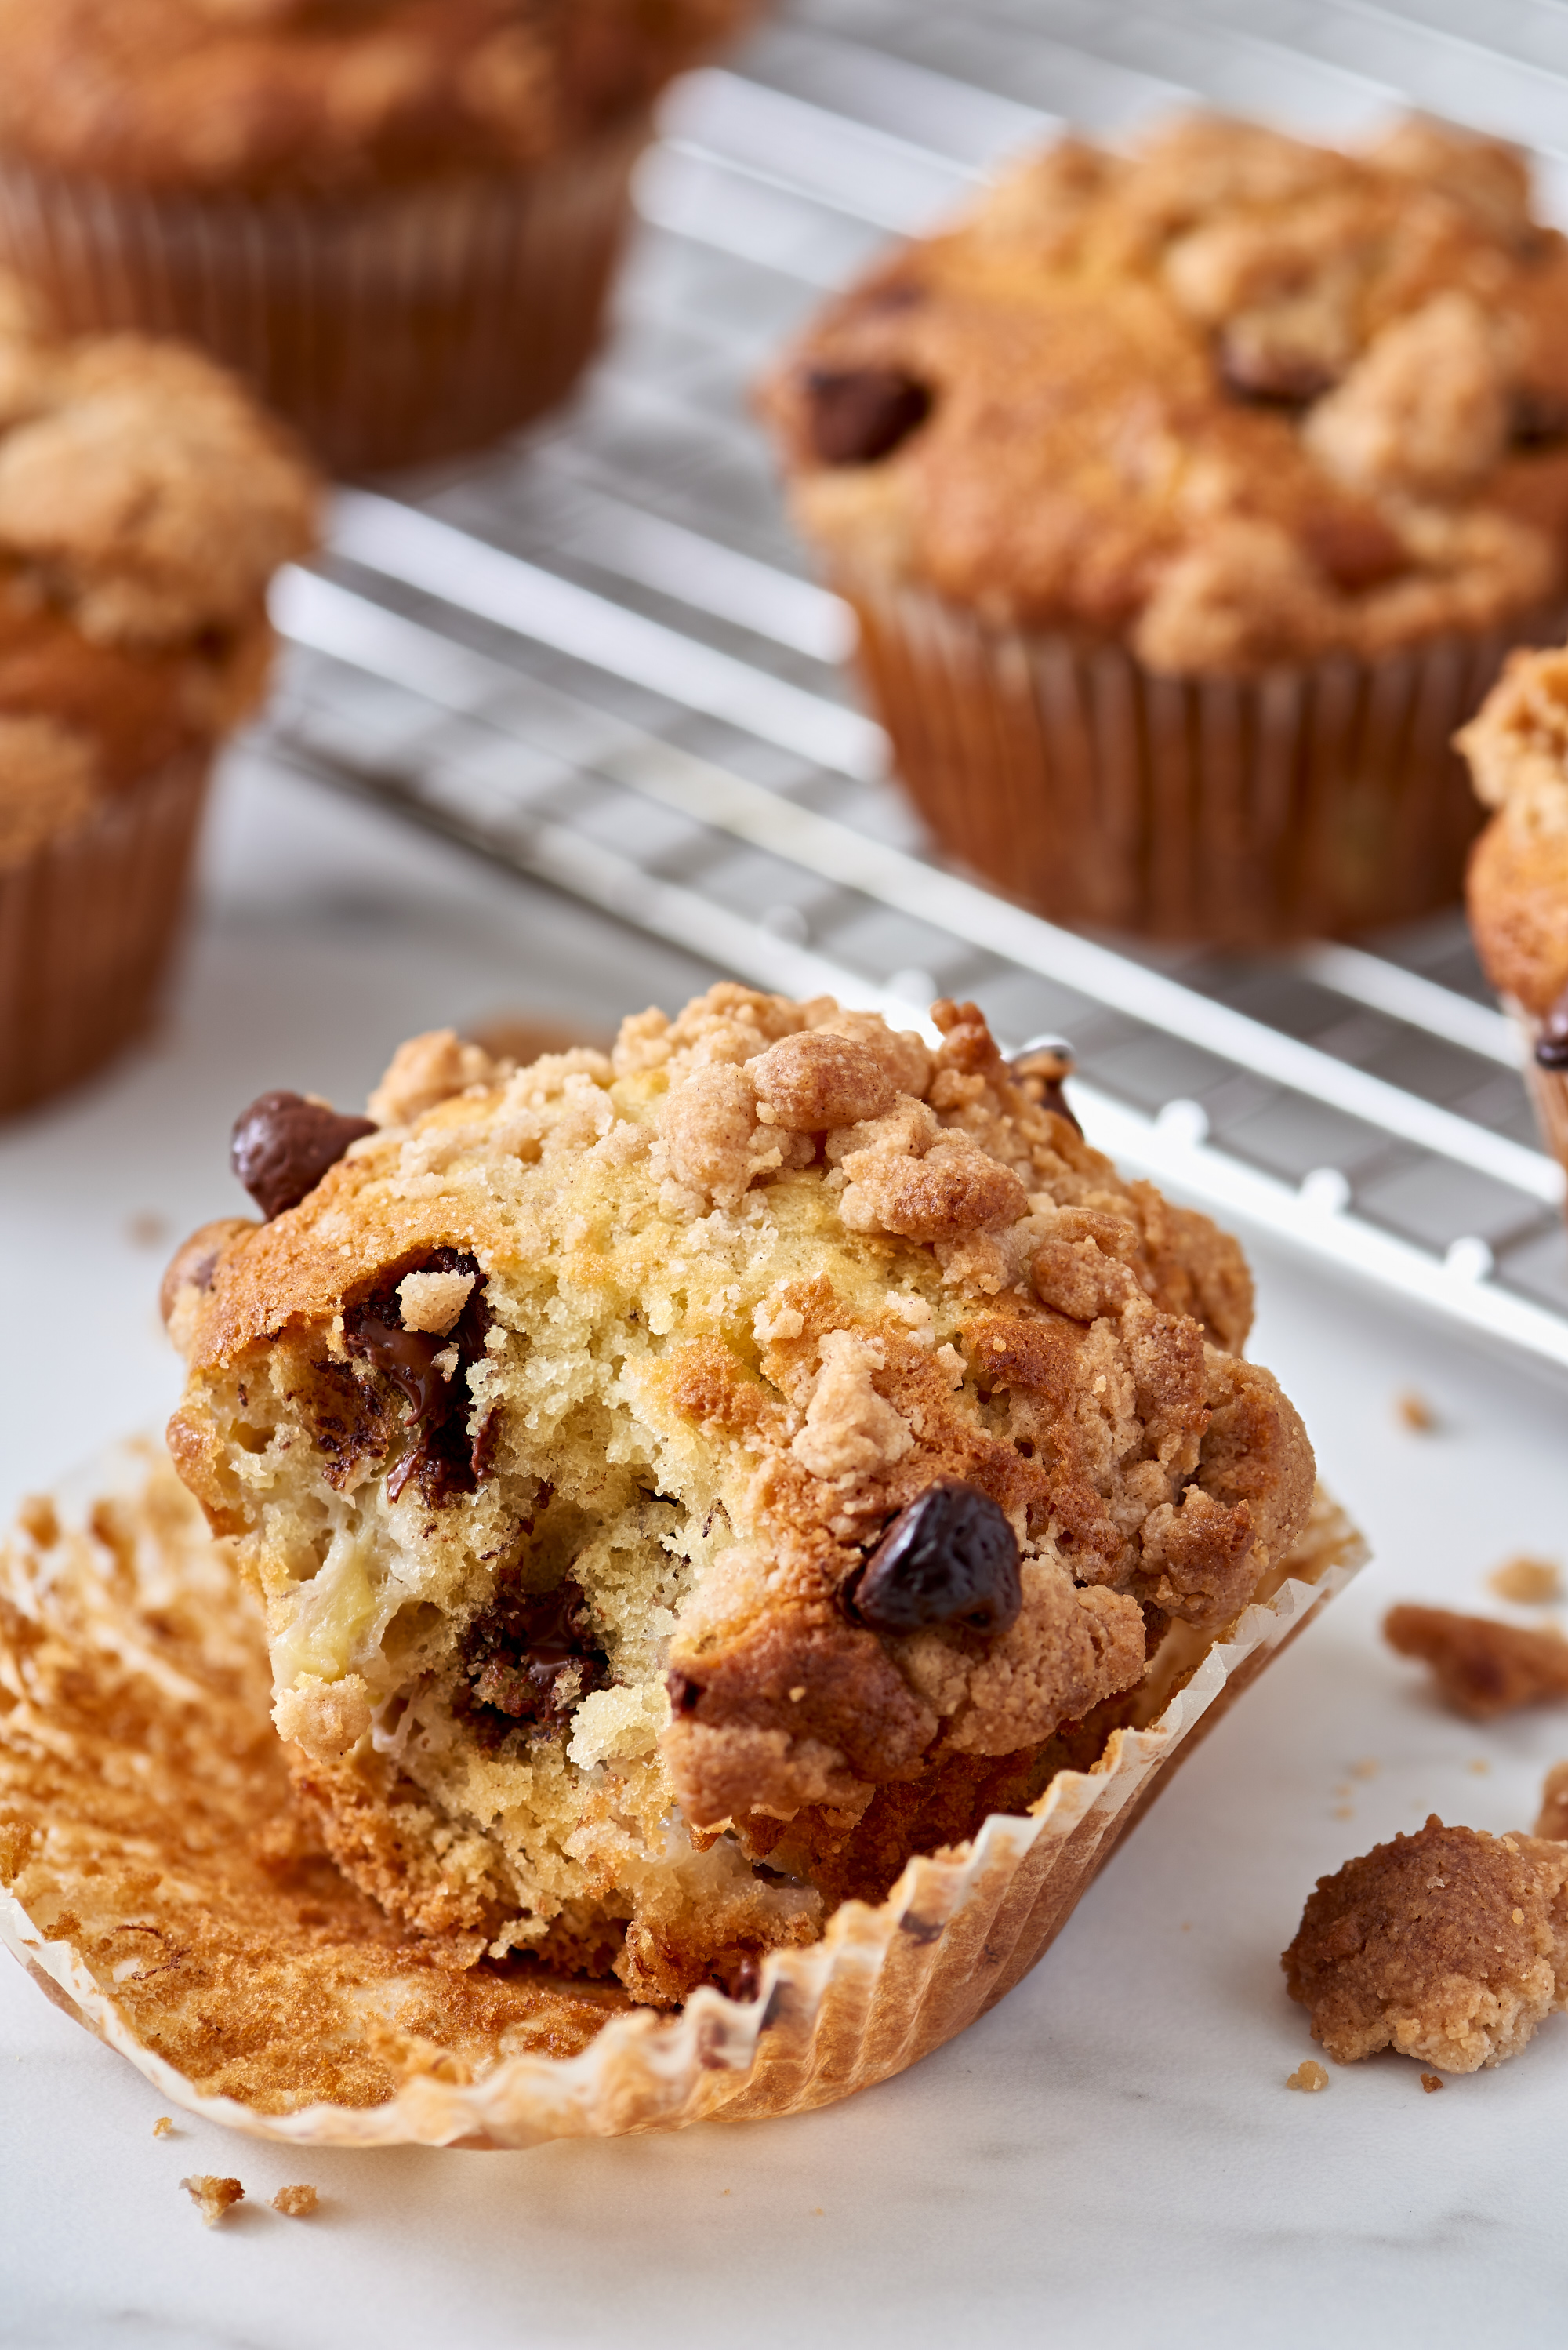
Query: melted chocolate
{"type": "Point", "coordinates": [860, 415]}
{"type": "Point", "coordinates": [283, 1145]}
{"type": "Point", "coordinates": [950, 1557]}
{"type": "Point", "coordinates": [528, 1660]}
{"type": "Point", "coordinates": [442, 1455]}
{"type": "Point", "coordinates": [1552, 1044]}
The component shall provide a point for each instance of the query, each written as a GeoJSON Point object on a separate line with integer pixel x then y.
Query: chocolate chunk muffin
{"type": "Point", "coordinates": [683, 1482]}
{"type": "Point", "coordinates": [144, 504]}
{"type": "Point", "coordinates": [1518, 882]}
{"type": "Point", "coordinates": [1187, 499]}
{"type": "Point", "coordinates": [398, 218]}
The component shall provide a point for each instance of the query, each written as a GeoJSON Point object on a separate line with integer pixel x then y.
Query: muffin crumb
{"type": "Point", "coordinates": [213, 2197]}
{"type": "Point", "coordinates": [295, 2202]}
{"type": "Point", "coordinates": [1413, 1411]}
{"type": "Point", "coordinates": [1309, 2074]}
{"type": "Point", "coordinates": [1483, 1668]}
{"type": "Point", "coordinates": [164, 2126]}
{"type": "Point", "coordinates": [1430, 2081]}
{"type": "Point", "coordinates": [1450, 1945]}
{"type": "Point", "coordinates": [1528, 1582]}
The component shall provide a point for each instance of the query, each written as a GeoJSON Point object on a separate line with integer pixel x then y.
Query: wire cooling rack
{"type": "Point", "coordinates": [594, 655]}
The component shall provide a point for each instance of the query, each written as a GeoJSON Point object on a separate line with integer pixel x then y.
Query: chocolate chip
{"type": "Point", "coordinates": [685, 1694]}
{"type": "Point", "coordinates": [1552, 1044]}
{"type": "Point", "coordinates": [861, 414]}
{"type": "Point", "coordinates": [1251, 369]}
{"type": "Point", "coordinates": [283, 1145]}
{"type": "Point", "coordinates": [442, 1455]}
{"type": "Point", "coordinates": [529, 1659]}
{"type": "Point", "coordinates": [1539, 416]}
{"type": "Point", "coordinates": [952, 1557]}
{"type": "Point", "coordinates": [1040, 1068]}
{"type": "Point", "coordinates": [1355, 546]}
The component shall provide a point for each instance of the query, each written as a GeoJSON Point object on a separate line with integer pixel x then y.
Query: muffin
{"type": "Point", "coordinates": [683, 1484]}
{"type": "Point", "coordinates": [144, 504]}
{"type": "Point", "coordinates": [397, 218]}
{"type": "Point", "coordinates": [1187, 499]}
{"type": "Point", "coordinates": [1518, 882]}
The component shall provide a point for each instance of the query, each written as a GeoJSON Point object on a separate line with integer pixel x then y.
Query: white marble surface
{"type": "Point", "coordinates": [1113, 2153]}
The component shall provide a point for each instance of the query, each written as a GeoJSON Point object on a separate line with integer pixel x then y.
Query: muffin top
{"type": "Point", "coordinates": [1517, 886]}
{"type": "Point", "coordinates": [329, 94]}
{"type": "Point", "coordinates": [145, 502]}
{"type": "Point", "coordinates": [1236, 398]}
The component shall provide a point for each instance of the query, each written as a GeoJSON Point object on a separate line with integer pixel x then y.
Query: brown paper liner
{"type": "Point", "coordinates": [86, 925]}
{"type": "Point", "coordinates": [392, 328]}
{"type": "Point", "coordinates": [1231, 812]}
{"type": "Point", "coordinates": [139, 1779]}
{"type": "Point", "coordinates": [1548, 1087]}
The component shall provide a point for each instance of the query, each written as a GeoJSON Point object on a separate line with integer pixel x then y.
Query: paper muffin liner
{"type": "Point", "coordinates": [392, 328]}
{"type": "Point", "coordinates": [1548, 1087]}
{"type": "Point", "coordinates": [144, 1853]}
{"type": "Point", "coordinates": [1231, 812]}
{"type": "Point", "coordinates": [88, 921]}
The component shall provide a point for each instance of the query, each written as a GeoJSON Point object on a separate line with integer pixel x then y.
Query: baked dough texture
{"type": "Point", "coordinates": [554, 1426]}
{"type": "Point", "coordinates": [1228, 398]}
{"type": "Point", "coordinates": [1517, 887]}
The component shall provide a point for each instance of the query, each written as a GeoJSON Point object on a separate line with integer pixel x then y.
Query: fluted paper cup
{"type": "Point", "coordinates": [88, 921]}
{"type": "Point", "coordinates": [392, 328]}
{"type": "Point", "coordinates": [1234, 811]}
{"type": "Point", "coordinates": [152, 1889]}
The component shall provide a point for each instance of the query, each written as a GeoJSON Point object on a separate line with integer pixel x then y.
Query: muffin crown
{"type": "Point", "coordinates": [1234, 399]}
{"type": "Point", "coordinates": [1517, 887]}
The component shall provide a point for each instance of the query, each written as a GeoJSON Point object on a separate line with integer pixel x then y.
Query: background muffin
{"type": "Point", "coordinates": [144, 505]}
{"type": "Point", "coordinates": [1188, 500]}
{"type": "Point", "coordinates": [685, 1482]}
{"type": "Point", "coordinates": [398, 218]}
{"type": "Point", "coordinates": [1518, 884]}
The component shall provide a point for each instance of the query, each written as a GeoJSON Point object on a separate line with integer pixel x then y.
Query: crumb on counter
{"type": "Point", "coordinates": [1450, 1945]}
{"type": "Point", "coordinates": [1367, 1768]}
{"type": "Point", "coordinates": [1412, 1410]}
{"type": "Point", "coordinates": [164, 2126]}
{"type": "Point", "coordinates": [1483, 1668]}
{"type": "Point", "coordinates": [213, 2197]}
{"type": "Point", "coordinates": [295, 2202]}
{"type": "Point", "coordinates": [1480, 1766]}
{"type": "Point", "coordinates": [1309, 2074]}
{"type": "Point", "coordinates": [1553, 1819]}
{"type": "Point", "coordinates": [1529, 1582]}
{"type": "Point", "coordinates": [1430, 2081]}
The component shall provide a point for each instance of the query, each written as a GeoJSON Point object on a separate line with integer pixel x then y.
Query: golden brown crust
{"type": "Point", "coordinates": [704, 1362]}
{"type": "Point", "coordinates": [329, 94]}
{"type": "Point", "coordinates": [1447, 1945]}
{"type": "Point", "coordinates": [1232, 399]}
{"type": "Point", "coordinates": [1481, 1667]}
{"type": "Point", "coordinates": [1517, 887]}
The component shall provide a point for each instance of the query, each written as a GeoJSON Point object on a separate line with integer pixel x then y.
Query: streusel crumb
{"type": "Point", "coordinates": [213, 2197]}
{"type": "Point", "coordinates": [1448, 1945]}
{"type": "Point", "coordinates": [295, 2202]}
{"type": "Point", "coordinates": [1309, 2074]}
{"type": "Point", "coordinates": [1483, 1668]}
{"type": "Point", "coordinates": [1528, 1582]}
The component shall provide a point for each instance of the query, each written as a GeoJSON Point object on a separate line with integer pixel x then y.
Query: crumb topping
{"type": "Point", "coordinates": [330, 94]}
{"type": "Point", "coordinates": [1481, 1667]}
{"type": "Point", "coordinates": [295, 2202]}
{"type": "Point", "coordinates": [1236, 398]}
{"type": "Point", "coordinates": [1518, 883]}
{"type": "Point", "coordinates": [556, 1425]}
{"type": "Point", "coordinates": [213, 2197]}
{"type": "Point", "coordinates": [1448, 1945]}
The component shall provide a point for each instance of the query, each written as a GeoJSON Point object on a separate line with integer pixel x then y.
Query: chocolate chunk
{"type": "Point", "coordinates": [952, 1557]}
{"type": "Point", "coordinates": [685, 1694]}
{"type": "Point", "coordinates": [529, 1659]}
{"type": "Point", "coordinates": [283, 1145]}
{"type": "Point", "coordinates": [1254, 371]}
{"type": "Point", "coordinates": [1040, 1068]}
{"type": "Point", "coordinates": [861, 414]}
{"type": "Point", "coordinates": [1355, 546]}
{"type": "Point", "coordinates": [1552, 1044]}
{"type": "Point", "coordinates": [1538, 416]}
{"type": "Point", "coordinates": [442, 1455]}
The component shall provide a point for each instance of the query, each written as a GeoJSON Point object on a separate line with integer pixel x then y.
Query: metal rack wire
{"type": "Point", "coordinates": [593, 656]}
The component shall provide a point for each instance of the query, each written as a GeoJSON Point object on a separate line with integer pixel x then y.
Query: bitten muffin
{"type": "Point", "coordinates": [1187, 499]}
{"type": "Point", "coordinates": [398, 218]}
{"type": "Point", "coordinates": [144, 504]}
{"type": "Point", "coordinates": [1518, 882]}
{"type": "Point", "coordinates": [682, 1484]}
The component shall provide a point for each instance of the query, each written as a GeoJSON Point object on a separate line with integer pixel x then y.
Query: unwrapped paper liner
{"type": "Point", "coordinates": [1239, 812]}
{"type": "Point", "coordinates": [132, 1603]}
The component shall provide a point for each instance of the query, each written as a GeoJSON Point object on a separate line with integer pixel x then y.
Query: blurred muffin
{"type": "Point", "coordinates": [1188, 500]}
{"type": "Point", "coordinates": [685, 1482]}
{"type": "Point", "coordinates": [397, 218]}
{"type": "Point", "coordinates": [144, 505]}
{"type": "Point", "coordinates": [1518, 884]}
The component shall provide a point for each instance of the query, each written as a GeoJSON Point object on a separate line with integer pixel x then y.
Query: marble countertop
{"type": "Point", "coordinates": [1112, 2152]}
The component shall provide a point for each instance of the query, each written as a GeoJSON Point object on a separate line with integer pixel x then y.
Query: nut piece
{"type": "Point", "coordinates": [1447, 1945]}
{"type": "Point", "coordinates": [1483, 1668]}
{"type": "Point", "coordinates": [283, 1145]}
{"type": "Point", "coordinates": [952, 1557]}
{"type": "Point", "coordinates": [815, 1081]}
{"type": "Point", "coordinates": [213, 2197]}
